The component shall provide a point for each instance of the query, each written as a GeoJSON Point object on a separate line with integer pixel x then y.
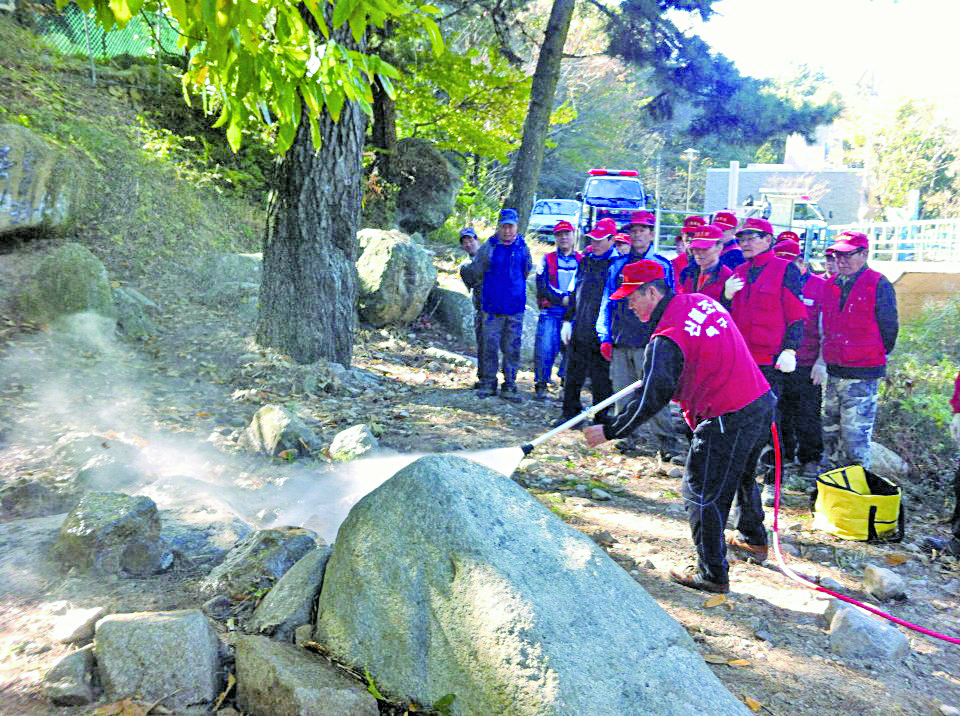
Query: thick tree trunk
{"type": "Point", "coordinates": [526, 170]}
{"type": "Point", "coordinates": [309, 291]}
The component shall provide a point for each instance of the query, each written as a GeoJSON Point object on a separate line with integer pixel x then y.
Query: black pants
{"type": "Point", "coordinates": [585, 359]}
{"type": "Point", "coordinates": [801, 430]}
{"type": "Point", "coordinates": [767, 466]}
{"type": "Point", "coordinates": [721, 465]}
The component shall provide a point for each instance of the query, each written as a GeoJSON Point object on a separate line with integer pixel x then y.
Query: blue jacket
{"type": "Point", "coordinates": [502, 273]}
{"type": "Point", "coordinates": [616, 323]}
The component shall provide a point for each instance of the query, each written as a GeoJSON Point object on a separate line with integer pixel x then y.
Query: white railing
{"type": "Point", "coordinates": [905, 241]}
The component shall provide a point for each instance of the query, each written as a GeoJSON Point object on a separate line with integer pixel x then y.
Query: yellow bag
{"type": "Point", "coordinates": [856, 504]}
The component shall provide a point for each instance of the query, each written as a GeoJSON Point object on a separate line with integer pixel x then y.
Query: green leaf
{"type": "Point", "coordinates": [121, 12]}
{"type": "Point", "coordinates": [234, 133]}
{"type": "Point", "coordinates": [343, 10]}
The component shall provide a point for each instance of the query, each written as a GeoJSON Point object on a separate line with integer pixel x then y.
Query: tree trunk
{"type": "Point", "coordinates": [526, 170]}
{"type": "Point", "coordinates": [384, 130]}
{"type": "Point", "coordinates": [309, 291]}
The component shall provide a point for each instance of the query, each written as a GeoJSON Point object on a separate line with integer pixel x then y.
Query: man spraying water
{"type": "Point", "coordinates": [698, 358]}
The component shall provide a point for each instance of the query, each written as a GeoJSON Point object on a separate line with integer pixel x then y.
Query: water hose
{"type": "Point", "coordinates": [811, 585]}
{"type": "Point", "coordinates": [586, 414]}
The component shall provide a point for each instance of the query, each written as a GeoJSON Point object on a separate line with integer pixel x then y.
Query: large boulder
{"type": "Point", "coordinates": [69, 280]}
{"type": "Point", "coordinates": [135, 313]}
{"type": "Point", "coordinates": [40, 182]}
{"type": "Point", "coordinates": [169, 657]}
{"type": "Point", "coordinates": [428, 183]}
{"type": "Point", "coordinates": [290, 603]}
{"type": "Point", "coordinates": [112, 533]}
{"type": "Point", "coordinates": [396, 276]}
{"type": "Point", "coordinates": [455, 311]}
{"type": "Point", "coordinates": [451, 579]}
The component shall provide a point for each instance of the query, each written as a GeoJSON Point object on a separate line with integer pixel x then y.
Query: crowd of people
{"type": "Point", "coordinates": [737, 331]}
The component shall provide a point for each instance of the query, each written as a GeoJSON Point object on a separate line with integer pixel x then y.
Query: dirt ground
{"type": "Point", "coordinates": [202, 377]}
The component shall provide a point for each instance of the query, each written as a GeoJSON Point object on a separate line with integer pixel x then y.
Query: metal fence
{"type": "Point", "coordinates": [75, 33]}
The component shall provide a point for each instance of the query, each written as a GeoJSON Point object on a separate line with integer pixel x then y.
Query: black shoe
{"type": "Point", "coordinates": [690, 577]}
{"type": "Point", "coordinates": [486, 391]}
{"type": "Point", "coordinates": [511, 394]}
{"type": "Point", "coordinates": [564, 418]}
{"type": "Point", "coordinates": [943, 545]}
{"type": "Point", "coordinates": [540, 391]}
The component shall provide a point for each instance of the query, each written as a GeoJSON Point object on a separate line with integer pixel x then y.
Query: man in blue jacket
{"type": "Point", "coordinates": [501, 267]}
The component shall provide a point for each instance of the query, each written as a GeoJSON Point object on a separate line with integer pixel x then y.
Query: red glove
{"type": "Point", "coordinates": [606, 350]}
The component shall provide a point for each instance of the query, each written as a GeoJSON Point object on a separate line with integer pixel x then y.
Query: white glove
{"type": "Point", "coordinates": [955, 428]}
{"type": "Point", "coordinates": [818, 374]}
{"type": "Point", "coordinates": [733, 284]}
{"type": "Point", "coordinates": [566, 332]}
{"type": "Point", "coordinates": [787, 361]}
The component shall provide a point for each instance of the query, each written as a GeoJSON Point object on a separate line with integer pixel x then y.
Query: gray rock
{"type": "Point", "coordinates": [302, 634]}
{"type": "Point", "coordinates": [830, 583]}
{"type": "Point", "coordinates": [258, 561]}
{"type": "Point", "coordinates": [107, 473]}
{"type": "Point", "coordinates": [112, 533]}
{"type": "Point", "coordinates": [353, 443]}
{"type": "Point", "coordinates": [454, 311]}
{"type": "Point", "coordinates": [429, 182]}
{"type": "Point", "coordinates": [449, 578]}
{"type": "Point", "coordinates": [76, 625]}
{"type": "Point", "coordinates": [290, 602]}
{"type": "Point", "coordinates": [882, 583]}
{"type": "Point", "coordinates": [276, 428]}
{"type": "Point", "coordinates": [597, 494]}
{"type": "Point", "coordinates": [886, 463]}
{"type": "Point", "coordinates": [152, 655]}
{"type": "Point", "coordinates": [229, 280]}
{"type": "Point", "coordinates": [284, 680]}
{"type": "Point", "coordinates": [70, 680]}
{"type": "Point", "coordinates": [396, 276]}
{"type": "Point", "coordinates": [205, 544]}
{"type": "Point", "coordinates": [40, 183]}
{"type": "Point", "coordinates": [31, 498]}
{"type": "Point", "coordinates": [855, 635]}
{"type": "Point", "coordinates": [69, 280]}
{"type": "Point", "coordinates": [218, 608]}
{"type": "Point", "coordinates": [134, 311]}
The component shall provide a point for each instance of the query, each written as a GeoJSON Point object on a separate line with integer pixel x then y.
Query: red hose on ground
{"type": "Point", "coordinates": [806, 582]}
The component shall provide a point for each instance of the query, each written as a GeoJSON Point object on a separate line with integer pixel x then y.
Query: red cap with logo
{"type": "Point", "coordinates": [604, 229]}
{"type": "Point", "coordinates": [786, 248]}
{"type": "Point", "coordinates": [705, 237]}
{"type": "Point", "coordinates": [692, 223]}
{"type": "Point", "coordinates": [754, 224]}
{"type": "Point", "coordinates": [725, 220]}
{"type": "Point", "coordinates": [621, 238]}
{"type": "Point", "coordinates": [792, 235]}
{"type": "Point", "coordinates": [850, 241]}
{"type": "Point", "coordinates": [635, 275]}
{"type": "Point", "coordinates": [642, 218]}
{"type": "Point", "coordinates": [562, 226]}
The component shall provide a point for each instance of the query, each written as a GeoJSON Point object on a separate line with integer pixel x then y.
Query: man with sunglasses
{"type": "Point", "coordinates": [860, 326]}
{"type": "Point", "coordinates": [766, 302]}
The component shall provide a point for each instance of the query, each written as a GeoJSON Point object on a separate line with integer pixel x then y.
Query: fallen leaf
{"type": "Point", "coordinates": [715, 659]}
{"type": "Point", "coordinates": [127, 707]}
{"type": "Point", "coordinates": [752, 704]}
{"type": "Point", "coordinates": [714, 601]}
{"type": "Point", "coordinates": [738, 662]}
{"type": "Point", "coordinates": [895, 560]}
{"type": "Point", "coordinates": [231, 680]}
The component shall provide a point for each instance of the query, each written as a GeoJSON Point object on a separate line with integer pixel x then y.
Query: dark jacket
{"type": "Point", "coordinates": [584, 304]}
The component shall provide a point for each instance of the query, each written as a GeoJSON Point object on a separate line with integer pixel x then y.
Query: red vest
{"type": "Point", "coordinates": [813, 299]}
{"type": "Point", "coordinates": [553, 276]}
{"type": "Point", "coordinates": [712, 288]}
{"type": "Point", "coordinates": [851, 337]}
{"type": "Point", "coordinates": [679, 264]}
{"type": "Point", "coordinates": [758, 307]}
{"type": "Point", "coordinates": [719, 375]}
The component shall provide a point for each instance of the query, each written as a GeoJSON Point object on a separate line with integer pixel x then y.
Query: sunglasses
{"type": "Point", "coordinates": [845, 257]}
{"type": "Point", "coordinates": [750, 235]}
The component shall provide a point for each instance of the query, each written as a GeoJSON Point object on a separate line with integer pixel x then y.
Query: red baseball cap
{"type": "Point", "coordinates": [692, 223]}
{"type": "Point", "coordinates": [562, 226]}
{"type": "Point", "coordinates": [754, 224]}
{"type": "Point", "coordinates": [725, 220]}
{"type": "Point", "coordinates": [850, 241]}
{"type": "Point", "coordinates": [704, 237]}
{"type": "Point", "coordinates": [621, 238]}
{"type": "Point", "coordinates": [604, 229]}
{"type": "Point", "coordinates": [792, 235]}
{"type": "Point", "coordinates": [642, 218]}
{"type": "Point", "coordinates": [635, 275]}
{"type": "Point", "coordinates": [786, 248]}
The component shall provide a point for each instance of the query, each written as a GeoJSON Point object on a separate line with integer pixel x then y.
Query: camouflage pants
{"type": "Point", "coordinates": [849, 410]}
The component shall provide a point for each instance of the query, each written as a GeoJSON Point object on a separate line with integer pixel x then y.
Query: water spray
{"type": "Point", "coordinates": [589, 413]}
